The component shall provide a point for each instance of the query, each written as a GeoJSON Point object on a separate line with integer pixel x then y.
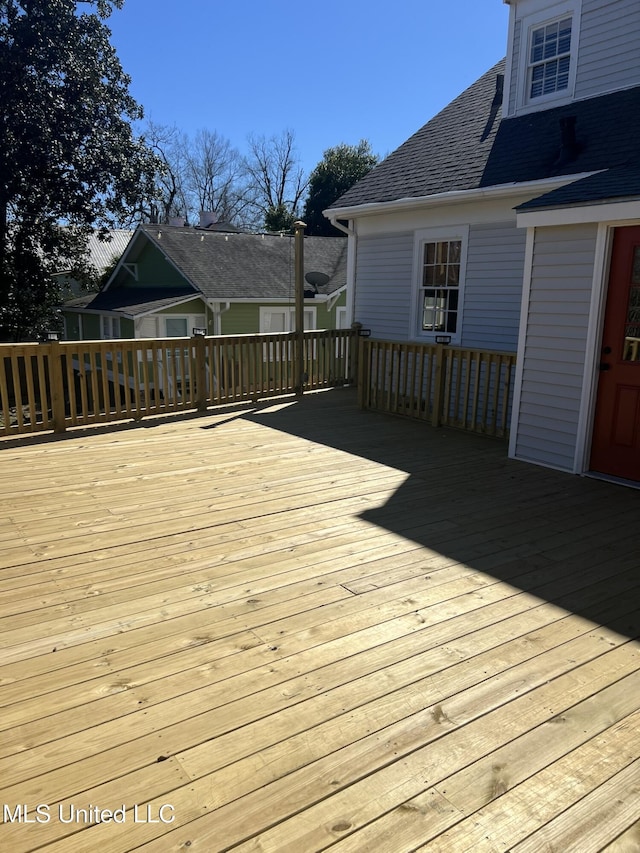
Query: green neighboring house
{"type": "Point", "coordinates": [172, 279]}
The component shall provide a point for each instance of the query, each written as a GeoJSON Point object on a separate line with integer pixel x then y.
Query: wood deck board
{"type": "Point", "coordinates": [341, 630]}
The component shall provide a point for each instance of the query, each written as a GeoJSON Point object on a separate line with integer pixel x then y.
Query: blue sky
{"type": "Point", "coordinates": [332, 71]}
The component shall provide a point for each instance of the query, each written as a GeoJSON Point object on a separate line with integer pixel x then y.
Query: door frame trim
{"type": "Point", "coordinates": [599, 287]}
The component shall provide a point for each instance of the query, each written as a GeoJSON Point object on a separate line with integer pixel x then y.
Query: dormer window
{"type": "Point", "coordinates": [542, 60]}
{"type": "Point", "coordinates": [550, 58]}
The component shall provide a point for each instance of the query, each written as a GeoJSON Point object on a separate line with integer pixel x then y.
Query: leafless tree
{"type": "Point", "coordinates": [172, 194]}
{"type": "Point", "coordinates": [206, 173]}
{"type": "Point", "coordinates": [215, 176]}
{"type": "Point", "coordinates": [278, 181]}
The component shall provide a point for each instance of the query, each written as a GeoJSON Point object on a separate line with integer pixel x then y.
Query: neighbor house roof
{"type": "Point", "coordinates": [102, 253]}
{"type": "Point", "coordinates": [219, 266]}
{"type": "Point", "coordinates": [468, 146]}
{"type": "Point", "coordinates": [240, 266]}
{"type": "Point", "coordinates": [132, 301]}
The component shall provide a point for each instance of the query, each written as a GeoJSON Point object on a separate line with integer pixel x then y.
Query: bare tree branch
{"type": "Point", "coordinates": [273, 170]}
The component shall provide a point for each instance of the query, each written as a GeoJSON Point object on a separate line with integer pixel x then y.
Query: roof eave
{"type": "Point", "coordinates": [452, 197]}
{"type": "Point", "coordinates": [624, 211]}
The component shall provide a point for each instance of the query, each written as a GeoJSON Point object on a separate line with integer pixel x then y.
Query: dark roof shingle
{"type": "Point", "coordinates": [132, 301]}
{"type": "Point", "coordinates": [469, 146]}
{"type": "Point", "coordinates": [256, 266]}
{"type": "Point", "coordinates": [448, 153]}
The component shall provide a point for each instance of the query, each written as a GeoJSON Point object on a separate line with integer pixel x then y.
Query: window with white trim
{"type": "Point", "coordinates": [549, 61]}
{"type": "Point", "coordinates": [110, 327]}
{"type": "Point", "coordinates": [182, 326]}
{"type": "Point", "coordinates": [341, 318]}
{"type": "Point", "coordinates": [284, 319]}
{"type": "Point", "coordinates": [440, 279]}
{"type": "Point", "coordinates": [176, 327]}
{"type": "Point", "coordinates": [546, 42]}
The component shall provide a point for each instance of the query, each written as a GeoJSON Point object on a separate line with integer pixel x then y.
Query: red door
{"type": "Point", "coordinates": [616, 432]}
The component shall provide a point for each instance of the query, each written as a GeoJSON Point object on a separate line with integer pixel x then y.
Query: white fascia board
{"type": "Point", "coordinates": [454, 197]}
{"type": "Point", "coordinates": [616, 211]}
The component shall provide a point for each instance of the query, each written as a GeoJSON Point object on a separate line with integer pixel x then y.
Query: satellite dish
{"type": "Point", "coordinates": [317, 279]}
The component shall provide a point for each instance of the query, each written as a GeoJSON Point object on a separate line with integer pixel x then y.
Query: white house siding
{"type": "Point", "coordinates": [511, 86]}
{"type": "Point", "coordinates": [609, 57]}
{"type": "Point", "coordinates": [555, 345]}
{"type": "Point", "coordinates": [384, 284]}
{"type": "Point", "coordinates": [493, 289]}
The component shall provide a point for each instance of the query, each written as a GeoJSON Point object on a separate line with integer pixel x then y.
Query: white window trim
{"type": "Point", "coordinates": [194, 321]}
{"type": "Point", "coordinates": [110, 320]}
{"type": "Point", "coordinates": [570, 9]}
{"type": "Point", "coordinates": [290, 313]}
{"type": "Point", "coordinates": [430, 235]}
{"type": "Point", "coordinates": [166, 317]}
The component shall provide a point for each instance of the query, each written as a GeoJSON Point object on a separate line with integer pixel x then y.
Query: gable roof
{"type": "Point", "coordinates": [468, 145]}
{"type": "Point", "coordinates": [240, 265]}
{"type": "Point", "coordinates": [219, 266]}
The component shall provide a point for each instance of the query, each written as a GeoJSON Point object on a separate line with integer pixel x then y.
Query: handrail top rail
{"type": "Point", "coordinates": [434, 346]}
{"type": "Point", "coordinates": [250, 336]}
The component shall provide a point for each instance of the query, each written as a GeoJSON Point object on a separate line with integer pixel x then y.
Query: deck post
{"type": "Point", "coordinates": [58, 414]}
{"type": "Point", "coordinates": [298, 359]}
{"type": "Point", "coordinates": [363, 378]}
{"type": "Point", "coordinates": [353, 371]}
{"type": "Point", "coordinates": [438, 388]}
{"type": "Point", "coordinates": [198, 342]}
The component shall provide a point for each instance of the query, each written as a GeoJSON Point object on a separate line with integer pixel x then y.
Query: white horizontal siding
{"type": "Point", "coordinates": [385, 286]}
{"type": "Point", "coordinates": [493, 287]}
{"type": "Point", "coordinates": [564, 422]}
{"type": "Point", "coordinates": [384, 269]}
{"type": "Point", "coordinates": [608, 56]}
{"type": "Point", "coordinates": [555, 346]}
{"type": "Point", "coordinates": [511, 86]}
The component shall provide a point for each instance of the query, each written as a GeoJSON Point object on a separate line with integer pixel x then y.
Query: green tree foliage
{"type": "Point", "coordinates": [337, 172]}
{"type": "Point", "coordinates": [279, 218]}
{"type": "Point", "coordinates": [69, 161]}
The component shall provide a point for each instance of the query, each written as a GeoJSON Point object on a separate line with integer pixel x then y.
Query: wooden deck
{"type": "Point", "coordinates": [299, 626]}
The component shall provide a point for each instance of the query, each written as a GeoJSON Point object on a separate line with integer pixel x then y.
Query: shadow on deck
{"type": "Point", "coordinates": [537, 529]}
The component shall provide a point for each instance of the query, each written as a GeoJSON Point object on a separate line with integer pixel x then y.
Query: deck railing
{"type": "Point", "coordinates": [444, 385]}
{"type": "Point", "coordinates": [52, 386]}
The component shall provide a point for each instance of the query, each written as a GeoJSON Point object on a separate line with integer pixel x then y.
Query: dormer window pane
{"type": "Point", "coordinates": [564, 39]}
{"type": "Point", "coordinates": [537, 45]}
{"type": "Point", "coordinates": [563, 73]}
{"type": "Point", "coordinates": [550, 58]}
